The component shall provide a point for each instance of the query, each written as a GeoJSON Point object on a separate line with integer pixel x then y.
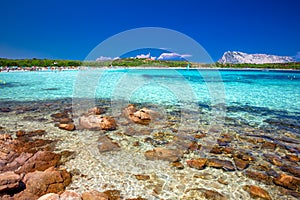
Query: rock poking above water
{"type": "Point", "coordinates": [39, 183]}
{"type": "Point", "coordinates": [171, 155]}
{"type": "Point", "coordinates": [257, 192]}
{"type": "Point", "coordinates": [67, 127]}
{"type": "Point", "coordinates": [143, 116]}
{"type": "Point", "coordinates": [199, 163]}
{"type": "Point", "coordinates": [98, 122]}
{"type": "Point", "coordinates": [106, 144]}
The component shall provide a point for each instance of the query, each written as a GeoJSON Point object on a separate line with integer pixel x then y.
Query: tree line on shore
{"type": "Point", "coordinates": [134, 62]}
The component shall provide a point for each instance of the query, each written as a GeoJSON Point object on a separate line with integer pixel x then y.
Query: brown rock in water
{"type": "Point", "coordinates": [142, 116]}
{"type": "Point", "coordinates": [288, 182]}
{"type": "Point", "coordinates": [94, 195]}
{"type": "Point", "coordinates": [199, 163]}
{"type": "Point", "coordinates": [41, 161]}
{"type": "Point", "coordinates": [292, 158]}
{"type": "Point", "coordinates": [113, 194]}
{"type": "Point", "coordinates": [273, 159]}
{"type": "Point", "coordinates": [257, 192]}
{"type": "Point", "coordinates": [95, 111]}
{"type": "Point", "coordinates": [220, 164]}
{"type": "Point", "coordinates": [241, 164]}
{"type": "Point", "coordinates": [9, 180]}
{"type": "Point", "coordinates": [98, 122]}
{"type": "Point", "coordinates": [177, 165]}
{"type": "Point", "coordinates": [106, 144]}
{"type": "Point", "coordinates": [259, 176]}
{"type": "Point", "coordinates": [292, 170]}
{"type": "Point", "coordinates": [208, 194]}
{"type": "Point", "coordinates": [268, 145]}
{"type": "Point", "coordinates": [67, 127]}
{"type": "Point", "coordinates": [171, 155]}
{"type": "Point", "coordinates": [142, 177]}
{"type": "Point", "coordinates": [58, 116]}
{"type": "Point", "coordinates": [39, 183]}
{"type": "Point", "coordinates": [65, 120]}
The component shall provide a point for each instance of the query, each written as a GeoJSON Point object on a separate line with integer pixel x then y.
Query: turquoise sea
{"type": "Point", "coordinates": [250, 95]}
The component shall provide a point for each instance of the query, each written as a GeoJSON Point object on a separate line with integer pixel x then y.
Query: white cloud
{"type": "Point", "coordinates": [168, 56]}
{"type": "Point", "coordinates": [143, 56]}
{"type": "Point", "coordinates": [104, 58]}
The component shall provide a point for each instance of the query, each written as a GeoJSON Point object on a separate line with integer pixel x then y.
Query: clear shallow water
{"type": "Point", "coordinates": [249, 95]}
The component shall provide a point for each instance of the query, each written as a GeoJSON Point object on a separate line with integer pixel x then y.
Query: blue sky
{"type": "Point", "coordinates": [70, 29]}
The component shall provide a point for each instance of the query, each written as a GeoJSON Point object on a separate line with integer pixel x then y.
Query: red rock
{"type": "Point", "coordinates": [67, 127]}
{"type": "Point", "coordinates": [220, 164]}
{"type": "Point", "coordinates": [240, 164]}
{"type": "Point", "coordinates": [142, 177]}
{"type": "Point", "coordinates": [42, 160]}
{"type": "Point", "coordinates": [171, 155]}
{"type": "Point", "coordinates": [287, 181]}
{"type": "Point", "coordinates": [98, 122]}
{"type": "Point", "coordinates": [199, 163]}
{"type": "Point", "coordinates": [106, 144]}
{"type": "Point", "coordinates": [39, 183]}
{"type": "Point", "coordinates": [9, 180]}
{"type": "Point", "coordinates": [70, 195]}
{"type": "Point", "coordinates": [58, 116]}
{"type": "Point", "coordinates": [216, 150]}
{"type": "Point", "coordinates": [257, 192]}
{"type": "Point", "coordinates": [142, 116]}
{"type": "Point", "coordinates": [94, 195]}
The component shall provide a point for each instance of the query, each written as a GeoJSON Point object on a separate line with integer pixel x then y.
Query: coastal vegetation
{"type": "Point", "coordinates": [134, 62]}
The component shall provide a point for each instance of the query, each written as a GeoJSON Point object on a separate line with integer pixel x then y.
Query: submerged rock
{"type": "Point", "coordinates": [288, 182]}
{"type": "Point", "coordinates": [106, 144]}
{"type": "Point", "coordinates": [259, 176]}
{"type": "Point", "coordinates": [199, 163]}
{"type": "Point", "coordinates": [257, 192]}
{"type": "Point", "coordinates": [241, 164]}
{"type": "Point", "coordinates": [94, 195]}
{"type": "Point", "coordinates": [220, 164]}
{"type": "Point", "coordinates": [171, 155]}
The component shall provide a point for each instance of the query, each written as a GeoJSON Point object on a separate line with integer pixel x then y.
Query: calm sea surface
{"type": "Point", "coordinates": [249, 95]}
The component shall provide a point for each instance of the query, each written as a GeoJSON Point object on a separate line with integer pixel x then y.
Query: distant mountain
{"type": "Point", "coordinates": [236, 57]}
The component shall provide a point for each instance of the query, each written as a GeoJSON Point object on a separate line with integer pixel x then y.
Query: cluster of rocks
{"type": "Point", "coordinates": [29, 168]}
